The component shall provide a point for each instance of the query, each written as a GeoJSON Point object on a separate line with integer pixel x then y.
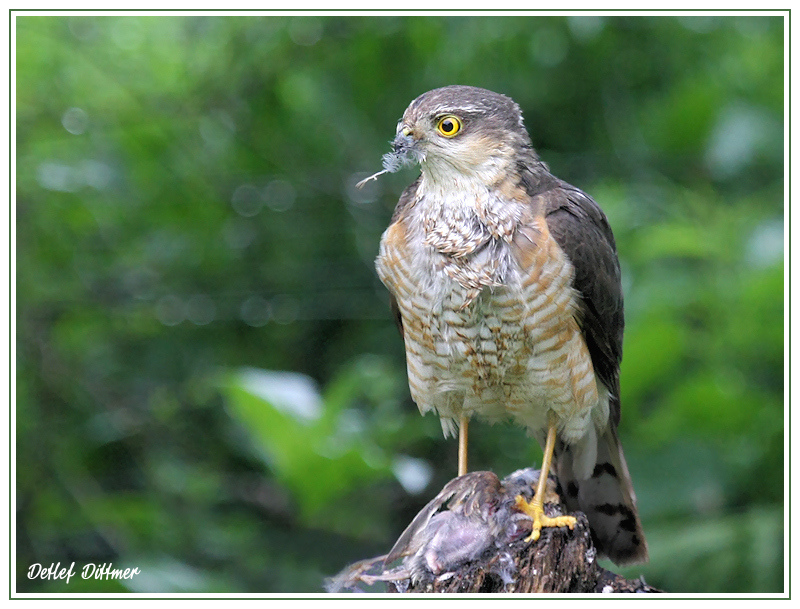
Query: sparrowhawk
{"type": "Point", "coordinates": [506, 285]}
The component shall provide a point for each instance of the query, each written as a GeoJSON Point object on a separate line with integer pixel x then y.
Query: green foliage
{"type": "Point", "coordinates": [320, 449]}
{"type": "Point", "coordinates": [209, 384]}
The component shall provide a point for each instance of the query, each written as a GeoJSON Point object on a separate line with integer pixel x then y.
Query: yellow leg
{"type": "Point", "coordinates": [462, 445]}
{"type": "Point", "coordinates": [535, 509]}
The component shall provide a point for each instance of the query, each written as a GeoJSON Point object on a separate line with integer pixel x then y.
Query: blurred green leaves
{"type": "Point", "coordinates": [325, 448]}
{"type": "Point", "coordinates": [318, 450]}
{"type": "Point", "coordinates": [706, 553]}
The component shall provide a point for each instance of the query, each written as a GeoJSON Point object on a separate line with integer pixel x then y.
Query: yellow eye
{"type": "Point", "coordinates": [449, 125]}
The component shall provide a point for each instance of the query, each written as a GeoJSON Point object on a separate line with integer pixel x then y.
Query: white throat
{"type": "Point", "coordinates": [467, 226]}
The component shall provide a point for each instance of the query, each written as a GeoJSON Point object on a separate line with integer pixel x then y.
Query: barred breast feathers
{"type": "Point", "coordinates": [517, 351]}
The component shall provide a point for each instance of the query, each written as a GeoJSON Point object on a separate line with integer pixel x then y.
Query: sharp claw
{"type": "Point", "coordinates": [540, 520]}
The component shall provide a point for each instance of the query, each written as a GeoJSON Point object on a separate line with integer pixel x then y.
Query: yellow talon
{"type": "Point", "coordinates": [535, 510]}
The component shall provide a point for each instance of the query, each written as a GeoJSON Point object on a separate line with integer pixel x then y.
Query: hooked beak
{"type": "Point", "coordinates": [403, 140]}
{"type": "Point", "coordinates": [404, 150]}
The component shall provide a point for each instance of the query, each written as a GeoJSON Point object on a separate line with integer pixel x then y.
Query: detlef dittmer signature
{"type": "Point", "coordinates": [89, 571]}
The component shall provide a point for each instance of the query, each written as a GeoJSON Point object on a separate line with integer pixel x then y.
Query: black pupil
{"type": "Point", "coordinates": [448, 126]}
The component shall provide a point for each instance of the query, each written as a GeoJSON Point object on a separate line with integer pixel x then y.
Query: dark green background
{"type": "Point", "coordinates": [186, 221]}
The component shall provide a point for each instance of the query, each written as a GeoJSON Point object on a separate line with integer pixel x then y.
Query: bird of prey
{"type": "Point", "coordinates": [506, 285]}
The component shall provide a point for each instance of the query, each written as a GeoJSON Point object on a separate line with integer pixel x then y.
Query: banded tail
{"type": "Point", "coordinates": [606, 496]}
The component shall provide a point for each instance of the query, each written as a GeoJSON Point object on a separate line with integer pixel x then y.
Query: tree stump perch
{"type": "Point", "coordinates": [560, 561]}
{"type": "Point", "coordinates": [470, 538]}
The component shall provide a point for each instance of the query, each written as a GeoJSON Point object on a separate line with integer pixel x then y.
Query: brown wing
{"type": "Point", "coordinates": [582, 231]}
{"type": "Point", "coordinates": [468, 499]}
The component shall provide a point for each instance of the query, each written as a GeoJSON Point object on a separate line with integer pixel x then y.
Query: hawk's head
{"type": "Point", "coordinates": [459, 131]}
